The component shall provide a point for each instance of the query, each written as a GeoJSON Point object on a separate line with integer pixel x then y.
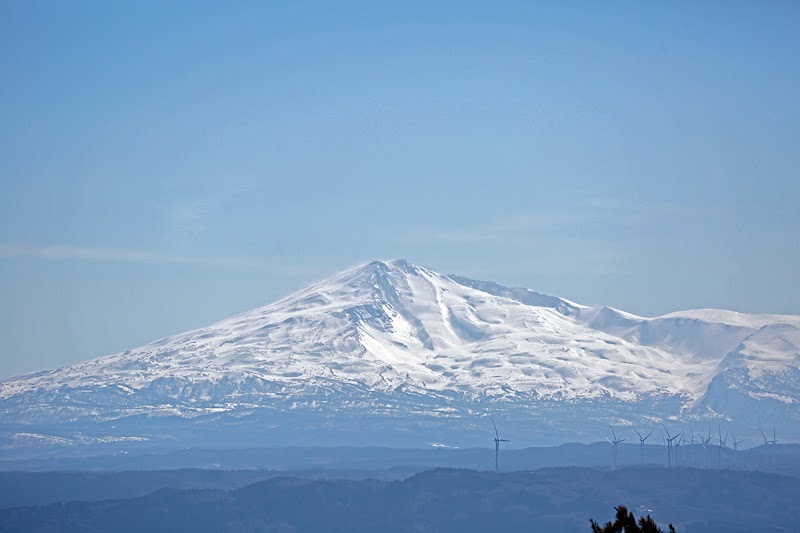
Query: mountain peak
{"type": "Point", "coordinates": [391, 265]}
{"type": "Point", "coordinates": [392, 337]}
{"type": "Point", "coordinates": [401, 264]}
{"type": "Point", "coordinates": [384, 266]}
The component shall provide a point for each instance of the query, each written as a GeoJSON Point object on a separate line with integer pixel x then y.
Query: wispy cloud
{"type": "Point", "coordinates": [67, 252]}
{"type": "Point", "coordinates": [189, 218]}
{"type": "Point", "coordinates": [585, 234]}
{"type": "Point", "coordinates": [500, 228]}
{"type": "Point", "coordinates": [567, 220]}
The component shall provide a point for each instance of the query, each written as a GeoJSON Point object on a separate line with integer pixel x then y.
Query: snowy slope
{"type": "Point", "coordinates": [391, 337]}
{"type": "Point", "coordinates": [764, 367]}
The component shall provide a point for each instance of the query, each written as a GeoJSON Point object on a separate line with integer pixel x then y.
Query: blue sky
{"type": "Point", "coordinates": [167, 164]}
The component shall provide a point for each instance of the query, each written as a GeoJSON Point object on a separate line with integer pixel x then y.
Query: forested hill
{"type": "Point", "coordinates": [554, 499]}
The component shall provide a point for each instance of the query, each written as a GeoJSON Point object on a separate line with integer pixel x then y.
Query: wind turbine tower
{"type": "Point", "coordinates": [736, 444]}
{"type": "Point", "coordinates": [614, 444]}
{"type": "Point", "coordinates": [722, 443]}
{"type": "Point", "coordinates": [497, 441]}
{"type": "Point", "coordinates": [670, 439]}
{"type": "Point", "coordinates": [692, 442]}
{"type": "Point", "coordinates": [641, 445]}
{"type": "Point", "coordinates": [705, 442]}
{"type": "Point", "coordinates": [769, 443]}
{"type": "Point", "coordinates": [678, 443]}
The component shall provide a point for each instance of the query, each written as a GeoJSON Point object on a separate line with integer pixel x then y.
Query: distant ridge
{"type": "Point", "coordinates": [551, 499]}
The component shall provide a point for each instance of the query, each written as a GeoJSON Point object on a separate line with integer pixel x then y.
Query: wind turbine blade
{"type": "Point", "coordinates": [612, 432]}
{"type": "Point", "coordinates": [665, 429]}
{"type": "Point", "coordinates": [648, 435]}
{"type": "Point", "coordinates": [496, 434]}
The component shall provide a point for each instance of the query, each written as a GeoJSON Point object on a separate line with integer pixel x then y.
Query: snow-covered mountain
{"type": "Point", "coordinates": [392, 351]}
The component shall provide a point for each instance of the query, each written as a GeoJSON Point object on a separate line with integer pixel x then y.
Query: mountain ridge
{"type": "Point", "coordinates": [392, 339]}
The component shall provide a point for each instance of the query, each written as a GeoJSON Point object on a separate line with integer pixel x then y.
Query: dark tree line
{"type": "Point", "coordinates": [626, 523]}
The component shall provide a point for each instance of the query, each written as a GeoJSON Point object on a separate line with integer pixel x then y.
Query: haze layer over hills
{"type": "Point", "coordinates": [393, 353]}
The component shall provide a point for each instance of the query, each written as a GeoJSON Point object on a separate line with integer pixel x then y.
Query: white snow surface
{"type": "Point", "coordinates": [395, 327]}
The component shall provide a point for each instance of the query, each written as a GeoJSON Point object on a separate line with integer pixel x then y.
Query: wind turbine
{"type": "Point", "coordinates": [678, 443]}
{"type": "Point", "coordinates": [670, 438]}
{"type": "Point", "coordinates": [614, 444]}
{"type": "Point", "coordinates": [497, 441]}
{"type": "Point", "coordinates": [769, 442]}
{"type": "Point", "coordinates": [736, 443]}
{"type": "Point", "coordinates": [722, 443]}
{"type": "Point", "coordinates": [705, 442]}
{"type": "Point", "coordinates": [641, 445]}
{"type": "Point", "coordinates": [692, 442]}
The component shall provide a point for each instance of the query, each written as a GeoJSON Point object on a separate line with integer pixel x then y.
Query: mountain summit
{"type": "Point", "coordinates": [390, 348]}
